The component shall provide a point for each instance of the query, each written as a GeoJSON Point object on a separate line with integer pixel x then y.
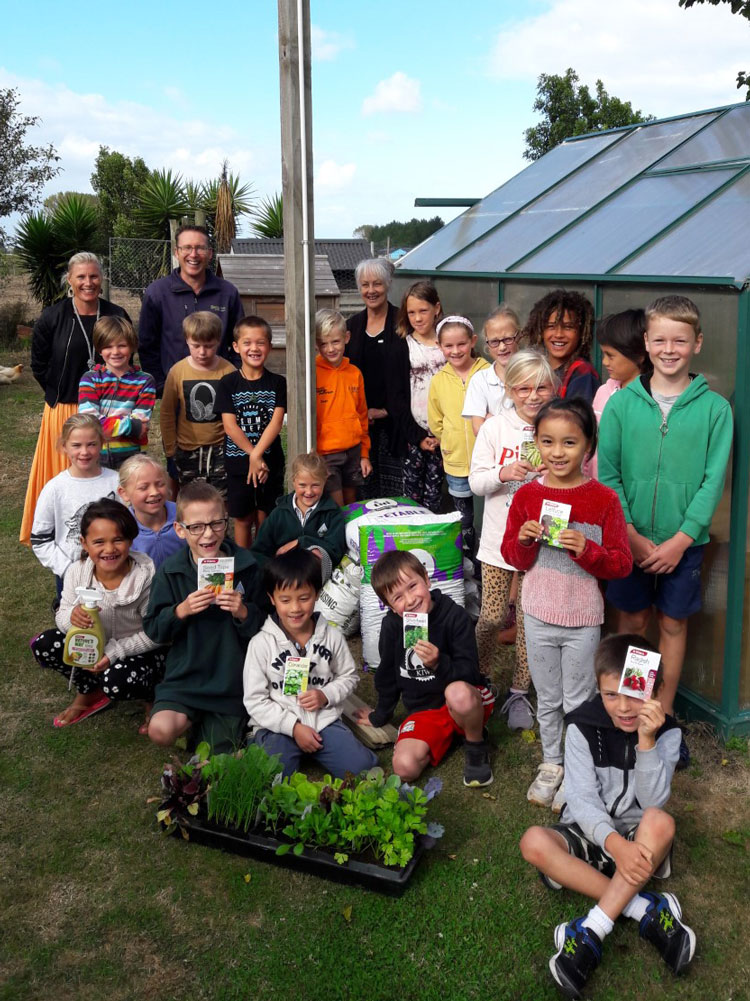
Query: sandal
{"type": "Point", "coordinates": [83, 713]}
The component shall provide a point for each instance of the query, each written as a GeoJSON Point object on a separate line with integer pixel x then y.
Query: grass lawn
{"type": "Point", "coordinates": [96, 904]}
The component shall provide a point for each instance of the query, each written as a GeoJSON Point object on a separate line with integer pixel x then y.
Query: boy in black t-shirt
{"type": "Point", "coordinates": [252, 403]}
{"type": "Point", "coordinates": [438, 678]}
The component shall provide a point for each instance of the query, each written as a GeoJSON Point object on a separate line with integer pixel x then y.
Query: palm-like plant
{"type": "Point", "coordinates": [45, 242]}
{"type": "Point", "coordinates": [241, 195]}
{"type": "Point", "coordinates": [224, 221]}
{"type": "Point", "coordinates": [160, 199]}
{"type": "Point", "coordinates": [268, 218]}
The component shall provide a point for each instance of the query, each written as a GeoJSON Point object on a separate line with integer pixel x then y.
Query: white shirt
{"type": "Point", "coordinates": [484, 394]}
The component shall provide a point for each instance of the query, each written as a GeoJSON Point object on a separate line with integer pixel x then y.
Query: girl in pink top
{"type": "Point", "coordinates": [500, 463]}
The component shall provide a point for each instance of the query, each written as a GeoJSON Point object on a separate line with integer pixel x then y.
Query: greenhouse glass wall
{"type": "Point", "coordinates": [625, 216]}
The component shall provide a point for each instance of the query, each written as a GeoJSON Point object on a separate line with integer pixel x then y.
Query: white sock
{"type": "Point", "coordinates": [598, 922]}
{"type": "Point", "coordinates": [518, 691]}
{"type": "Point", "coordinates": [636, 907]}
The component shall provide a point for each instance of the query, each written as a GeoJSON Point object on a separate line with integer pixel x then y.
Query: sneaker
{"type": "Point", "coordinates": [579, 952]}
{"type": "Point", "coordinates": [661, 926]}
{"type": "Point", "coordinates": [542, 789]}
{"type": "Point", "coordinates": [559, 801]}
{"type": "Point", "coordinates": [520, 713]}
{"type": "Point", "coordinates": [477, 771]}
{"type": "Point", "coordinates": [684, 759]}
{"type": "Point", "coordinates": [664, 871]}
{"type": "Point", "coordinates": [549, 882]}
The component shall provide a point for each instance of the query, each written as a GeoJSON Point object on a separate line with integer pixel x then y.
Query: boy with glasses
{"type": "Point", "coordinates": [207, 633]}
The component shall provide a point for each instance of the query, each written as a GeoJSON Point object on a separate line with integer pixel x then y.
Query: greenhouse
{"type": "Point", "coordinates": [625, 216]}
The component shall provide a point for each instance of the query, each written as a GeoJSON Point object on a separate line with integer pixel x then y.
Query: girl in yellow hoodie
{"type": "Point", "coordinates": [445, 404]}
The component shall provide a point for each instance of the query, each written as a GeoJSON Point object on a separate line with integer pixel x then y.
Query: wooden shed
{"type": "Point", "coordinates": [259, 278]}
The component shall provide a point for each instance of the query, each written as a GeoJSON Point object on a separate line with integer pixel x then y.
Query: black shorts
{"type": "Point", "coordinates": [580, 846]}
{"type": "Point", "coordinates": [243, 498]}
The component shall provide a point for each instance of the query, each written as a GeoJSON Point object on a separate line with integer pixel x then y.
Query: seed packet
{"type": "Point", "coordinates": [639, 673]}
{"type": "Point", "coordinates": [554, 519]}
{"type": "Point", "coordinates": [529, 450]}
{"type": "Point", "coordinates": [296, 673]}
{"type": "Point", "coordinates": [217, 573]}
{"type": "Point", "coordinates": [415, 628]}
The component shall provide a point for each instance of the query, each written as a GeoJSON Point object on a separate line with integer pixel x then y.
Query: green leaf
{"type": "Point", "coordinates": [283, 849]}
{"type": "Point", "coordinates": [298, 848]}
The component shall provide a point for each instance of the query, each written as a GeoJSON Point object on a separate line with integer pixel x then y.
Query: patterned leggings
{"type": "Point", "coordinates": [130, 678]}
{"type": "Point", "coordinates": [495, 594]}
{"type": "Point", "coordinates": [423, 477]}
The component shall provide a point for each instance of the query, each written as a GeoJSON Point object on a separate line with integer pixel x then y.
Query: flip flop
{"type": "Point", "coordinates": [87, 711]}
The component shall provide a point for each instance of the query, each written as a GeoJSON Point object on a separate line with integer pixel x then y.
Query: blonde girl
{"type": "Point", "coordinates": [486, 391]}
{"type": "Point", "coordinates": [444, 408]}
{"type": "Point", "coordinates": [502, 460]}
{"type": "Point", "coordinates": [144, 488]}
{"type": "Point", "coordinates": [56, 529]}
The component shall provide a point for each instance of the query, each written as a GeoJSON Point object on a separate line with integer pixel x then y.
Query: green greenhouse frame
{"type": "Point", "coordinates": [625, 215]}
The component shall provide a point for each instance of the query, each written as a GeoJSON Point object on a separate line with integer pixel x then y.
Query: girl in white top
{"type": "Point", "coordinates": [417, 320]}
{"type": "Point", "coordinates": [504, 457]}
{"type": "Point", "coordinates": [56, 531]}
{"type": "Point", "coordinates": [486, 391]}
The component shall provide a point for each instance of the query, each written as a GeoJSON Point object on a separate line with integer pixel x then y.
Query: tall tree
{"type": "Point", "coordinates": [24, 170]}
{"type": "Point", "coordinates": [741, 7]}
{"type": "Point", "coordinates": [570, 110]}
{"type": "Point", "coordinates": [401, 234]}
{"type": "Point", "coordinates": [117, 180]}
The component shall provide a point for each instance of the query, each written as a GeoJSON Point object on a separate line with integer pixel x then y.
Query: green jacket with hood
{"type": "Point", "coordinates": [206, 651]}
{"type": "Point", "coordinates": [668, 473]}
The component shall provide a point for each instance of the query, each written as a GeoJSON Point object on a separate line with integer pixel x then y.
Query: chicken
{"type": "Point", "coordinates": [8, 375]}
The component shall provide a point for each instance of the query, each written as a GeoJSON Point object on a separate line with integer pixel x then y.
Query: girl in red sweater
{"type": "Point", "coordinates": [564, 552]}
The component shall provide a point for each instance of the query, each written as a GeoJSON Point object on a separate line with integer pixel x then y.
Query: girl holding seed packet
{"type": "Point", "coordinates": [566, 532]}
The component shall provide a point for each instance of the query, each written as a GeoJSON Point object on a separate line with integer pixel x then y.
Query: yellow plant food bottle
{"type": "Point", "coordinates": [85, 647]}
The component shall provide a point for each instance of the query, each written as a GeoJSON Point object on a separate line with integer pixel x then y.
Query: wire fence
{"type": "Point", "coordinates": [134, 264]}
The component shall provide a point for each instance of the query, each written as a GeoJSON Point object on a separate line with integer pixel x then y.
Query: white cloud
{"type": "Point", "coordinates": [398, 93]}
{"type": "Point", "coordinates": [326, 45]}
{"type": "Point", "coordinates": [663, 59]}
{"type": "Point", "coordinates": [334, 176]}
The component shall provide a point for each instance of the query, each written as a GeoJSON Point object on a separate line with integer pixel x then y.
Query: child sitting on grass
{"type": "Point", "coordinates": [438, 679]}
{"type": "Point", "coordinates": [299, 672]}
{"type": "Point", "coordinates": [307, 517]}
{"type": "Point", "coordinates": [620, 753]}
{"type": "Point", "coordinates": [207, 632]}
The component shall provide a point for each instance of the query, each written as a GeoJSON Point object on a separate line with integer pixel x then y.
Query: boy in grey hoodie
{"type": "Point", "coordinates": [299, 672]}
{"type": "Point", "coordinates": [620, 753]}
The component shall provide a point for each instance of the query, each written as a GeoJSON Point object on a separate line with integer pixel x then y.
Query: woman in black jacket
{"type": "Point", "coordinates": [381, 356]}
{"type": "Point", "coordinates": [62, 349]}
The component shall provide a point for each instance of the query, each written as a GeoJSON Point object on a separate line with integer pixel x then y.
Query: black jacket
{"type": "Point", "coordinates": [59, 353]}
{"type": "Point", "coordinates": [402, 427]}
{"type": "Point", "coordinates": [450, 628]}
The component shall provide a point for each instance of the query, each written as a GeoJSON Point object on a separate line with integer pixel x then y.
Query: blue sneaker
{"type": "Point", "coordinates": [579, 952]}
{"type": "Point", "coordinates": [662, 927]}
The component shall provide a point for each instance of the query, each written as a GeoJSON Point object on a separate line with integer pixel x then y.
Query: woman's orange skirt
{"type": "Point", "coordinates": [48, 461]}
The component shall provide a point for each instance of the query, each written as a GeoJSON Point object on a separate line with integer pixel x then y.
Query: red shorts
{"type": "Point", "coordinates": [437, 728]}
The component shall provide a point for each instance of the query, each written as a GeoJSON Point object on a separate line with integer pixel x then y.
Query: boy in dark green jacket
{"type": "Point", "coordinates": [664, 445]}
{"type": "Point", "coordinates": [207, 633]}
{"type": "Point", "coordinates": [307, 517]}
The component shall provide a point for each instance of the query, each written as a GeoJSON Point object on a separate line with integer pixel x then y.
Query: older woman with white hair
{"type": "Point", "coordinates": [62, 349]}
{"type": "Point", "coordinates": [376, 350]}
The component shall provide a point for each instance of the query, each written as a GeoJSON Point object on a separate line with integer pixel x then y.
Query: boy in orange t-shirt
{"type": "Point", "coordinates": [342, 426]}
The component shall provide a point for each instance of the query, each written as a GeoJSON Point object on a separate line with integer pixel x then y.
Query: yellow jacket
{"type": "Point", "coordinates": [445, 402]}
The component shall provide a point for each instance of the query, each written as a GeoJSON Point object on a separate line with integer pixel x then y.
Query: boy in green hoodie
{"type": "Point", "coordinates": [207, 633]}
{"type": "Point", "coordinates": [664, 445]}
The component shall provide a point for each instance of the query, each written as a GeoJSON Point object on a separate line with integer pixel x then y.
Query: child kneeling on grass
{"type": "Point", "coordinates": [438, 678]}
{"type": "Point", "coordinates": [208, 632]}
{"type": "Point", "coordinates": [620, 753]}
{"type": "Point", "coordinates": [299, 672]}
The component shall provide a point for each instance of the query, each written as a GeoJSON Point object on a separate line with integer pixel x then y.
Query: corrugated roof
{"type": "Point", "coordinates": [263, 274]}
{"type": "Point", "coordinates": [344, 255]}
{"type": "Point", "coordinates": [662, 198]}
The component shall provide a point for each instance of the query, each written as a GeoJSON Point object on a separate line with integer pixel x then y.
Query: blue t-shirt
{"type": "Point", "coordinates": [159, 545]}
{"type": "Point", "coordinates": [252, 402]}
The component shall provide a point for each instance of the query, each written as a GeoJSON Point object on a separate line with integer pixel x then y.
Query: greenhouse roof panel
{"type": "Point", "coordinates": [711, 242]}
{"type": "Point", "coordinates": [728, 138]}
{"type": "Point", "coordinates": [627, 221]}
{"type": "Point", "coordinates": [615, 166]}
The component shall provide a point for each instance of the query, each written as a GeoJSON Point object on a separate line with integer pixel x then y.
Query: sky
{"type": "Point", "coordinates": [410, 99]}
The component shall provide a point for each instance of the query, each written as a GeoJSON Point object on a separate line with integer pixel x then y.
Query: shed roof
{"type": "Point", "coordinates": [668, 198]}
{"type": "Point", "coordinates": [343, 255]}
{"type": "Point", "coordinates": [263, 274]}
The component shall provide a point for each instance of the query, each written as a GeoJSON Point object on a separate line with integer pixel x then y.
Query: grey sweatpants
{"type": "Point", "coordinates": [561, 661]}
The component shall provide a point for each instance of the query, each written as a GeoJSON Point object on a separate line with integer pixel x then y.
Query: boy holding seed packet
{"type": "Point", "coordinates": [299, 672]}
{"type": "Point", "coordinates": [620, 753]}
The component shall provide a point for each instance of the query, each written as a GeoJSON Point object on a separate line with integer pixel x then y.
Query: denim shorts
{"type": "Point", "coordinates": [676, 594]}
{"type": "Point", "coordinates": [458, 486]}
